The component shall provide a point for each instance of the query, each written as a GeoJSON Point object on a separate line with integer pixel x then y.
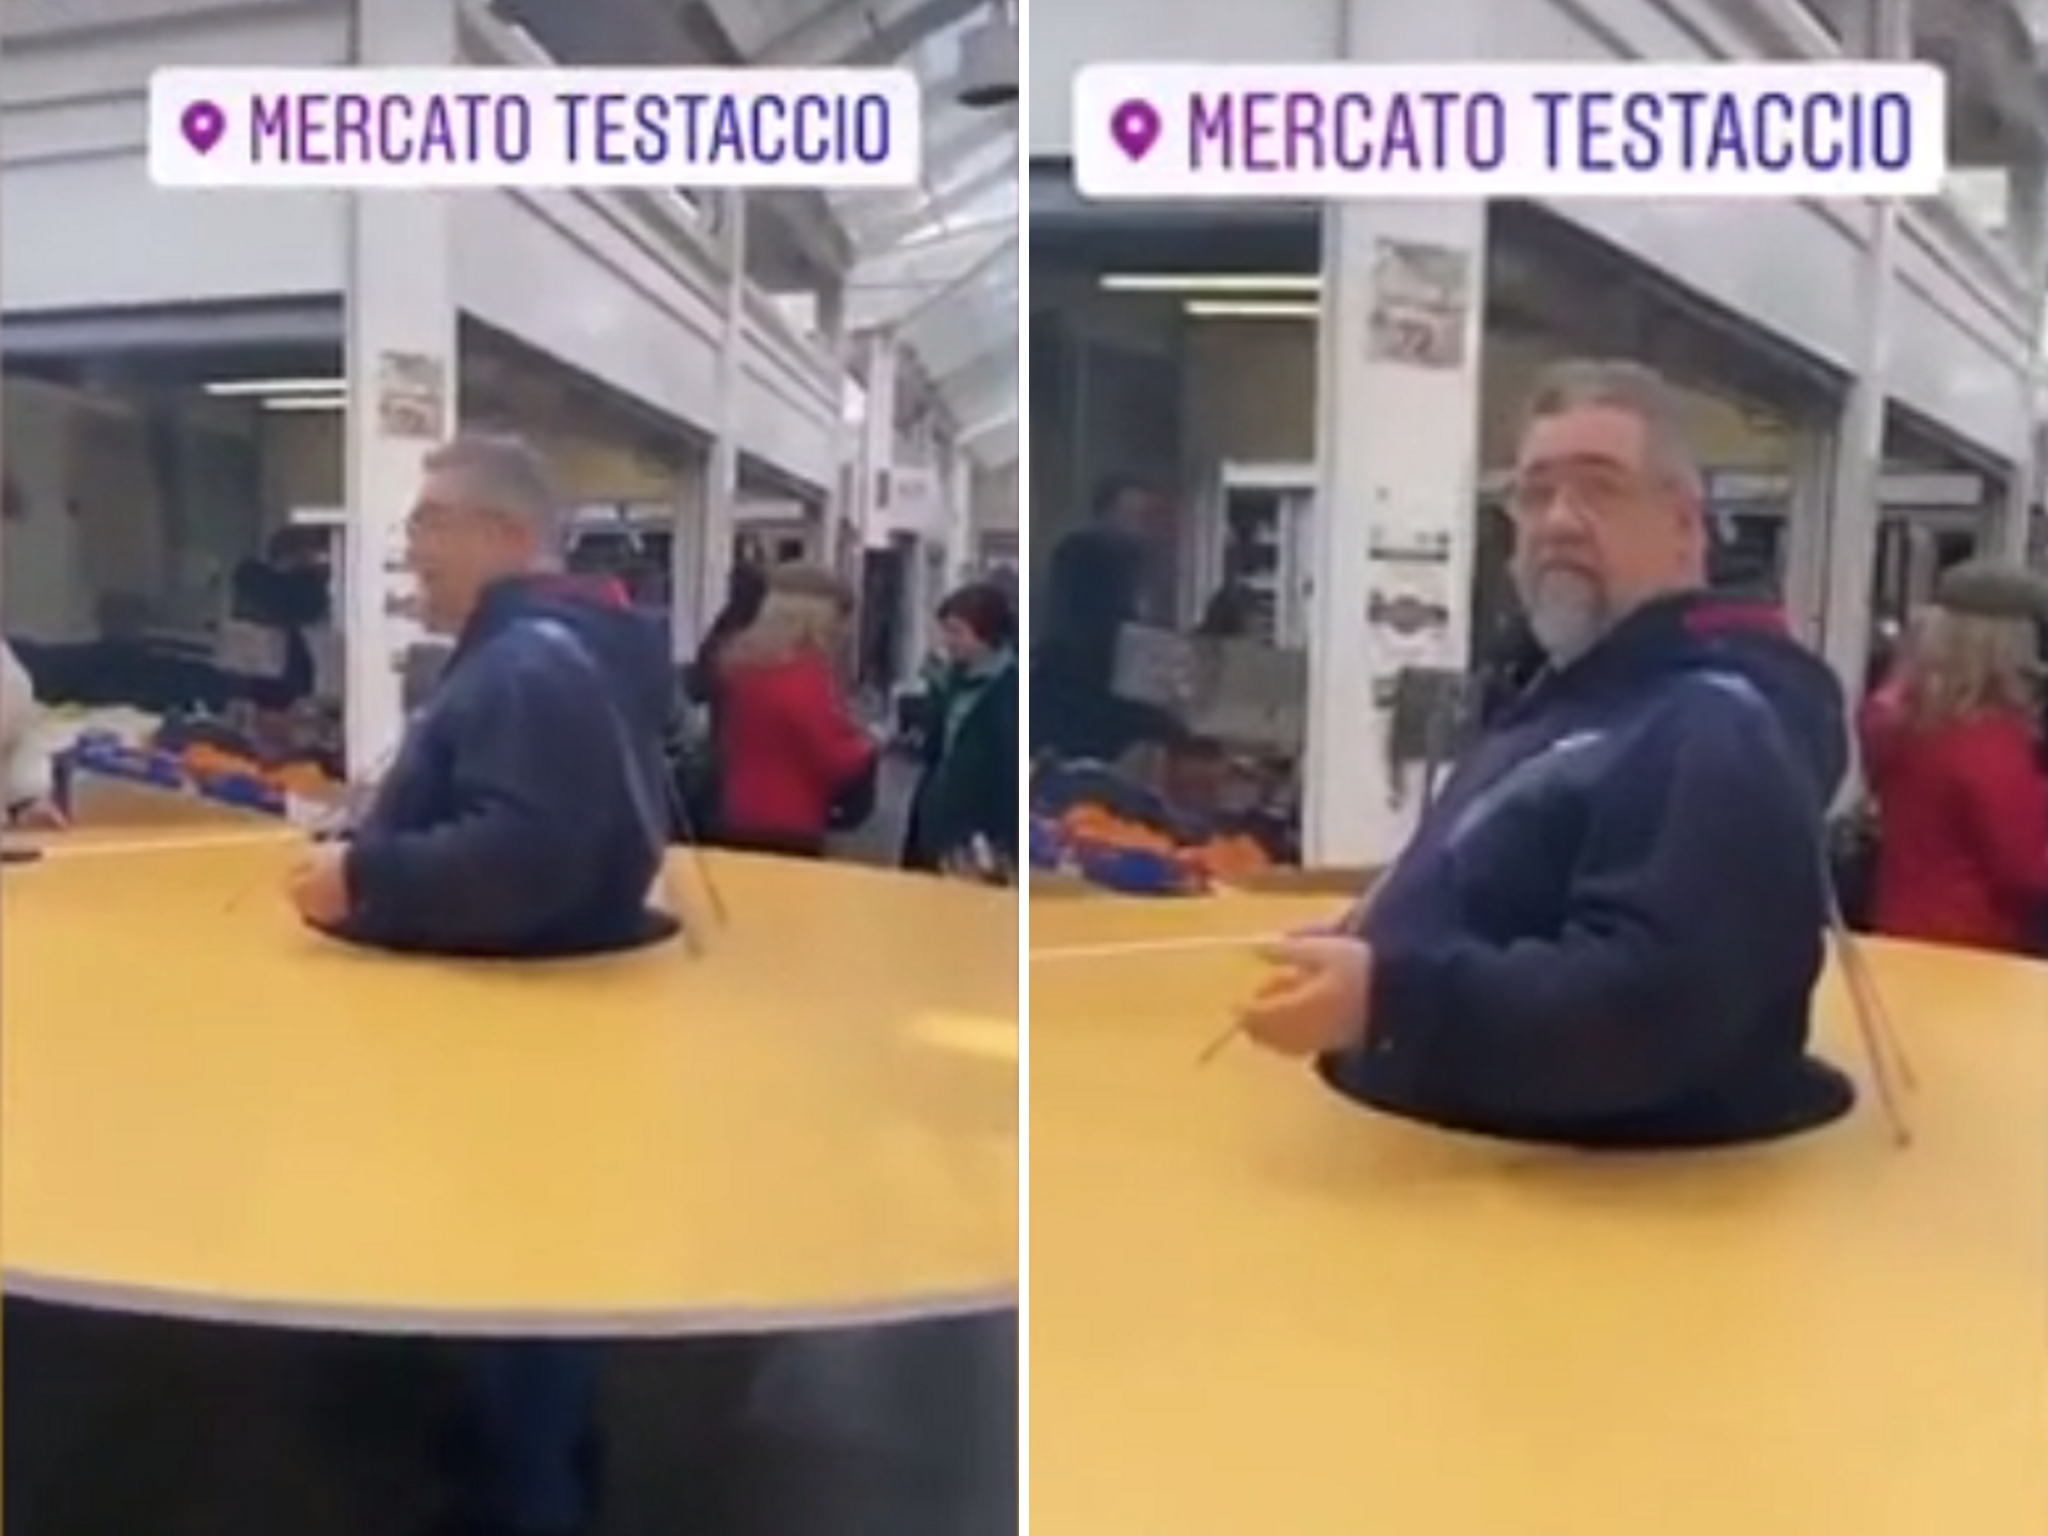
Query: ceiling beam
{"type": "Point", "coordinates": [890, 288]}
{"type": "Point", "coordinates": [968, 323]}
{"type": "Point", "coordinates": [993, 443]}
{"type": "Point", "coordinates": [637, 32]}
{"type": "Point", "coordinates": [934, 211]}
{"type": "Point", "coordinates": [966, 378]}
{"type": "Point", "coordinates": [993, 397]}
{"type": "Point", "coordinates": [950, 128]}
{"type": "Point", "coordinates": [862, 32]}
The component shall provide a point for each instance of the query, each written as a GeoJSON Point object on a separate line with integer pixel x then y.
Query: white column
{"type": "Point", "coordinates": [2026, 214]}
{"type": "Point", "coordinates": [1403, 308]}
{"type": "Point", "coordinates": [689, 549]}
{"type": "Point", "coordinates": [1813, 459]}
{"type": "Point", "coordinates": [2027, 229]}
{"type": "Point", "coordinates": [840, 492]}
{"type": "Point", "coordinates": [966, 553]}
{"type": "Point", "coordinates": [722, 488]}
{"type": "Point", "coordinates": [403, 388]}
{"type": "Point", "coordinates": [874, 495]}
{"type": "Point", "coordinates": [1859, 457]}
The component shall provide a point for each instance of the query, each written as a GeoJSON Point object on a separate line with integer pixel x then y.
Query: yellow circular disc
{"type": "Point", "coordinates": [1257, 1307]}
{"type": "Point", "coordinates": [208, 1110]}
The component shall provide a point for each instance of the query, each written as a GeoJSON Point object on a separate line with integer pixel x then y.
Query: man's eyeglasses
{"type": "Point", "coordinates": [1599, 494]}
{"type": "Point", "coordinates": [431, 519]}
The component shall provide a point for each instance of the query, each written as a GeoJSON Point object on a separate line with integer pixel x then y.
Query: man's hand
{"type": "Point", "coordinates": [318, 886]}
{"type": "Point", "coordinates": [41, 816]}
{"type": "Point", "coordinates": [1319, 1000]}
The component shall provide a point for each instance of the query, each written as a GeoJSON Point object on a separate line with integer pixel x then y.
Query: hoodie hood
{"type": "Point", "coordinates": [1753, 642]}
{"type": "Point", "coordinates": [1697, 632]}
{"type": "Point", "coordinates": [630, 646]}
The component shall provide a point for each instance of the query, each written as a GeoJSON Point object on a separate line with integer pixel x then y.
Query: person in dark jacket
{"type": "Point", "coordinates": [525, 813]}
{"type": "Point", "coordinates": [1094, 586]}
{"type": "Point", "coordinates": [283, 597]}
{"type": "Point", "coordinates": [1608, 929]}
{"type": "Point", "coordinates": [700, 756]}
{"type": "Point", "coordinates": [521, 818]}
{"type": "Point", "coordinates": [969, 798]}
{"type": "Point", "coordinates": [1512, 662]}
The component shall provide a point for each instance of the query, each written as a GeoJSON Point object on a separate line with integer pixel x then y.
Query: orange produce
{"type": "Point", "coordinates": [1230, 857]}
{"type": "Point", "coordinates": [1098, 825]}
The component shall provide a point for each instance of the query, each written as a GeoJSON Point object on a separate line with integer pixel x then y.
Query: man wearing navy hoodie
{"type": "Point", "coordinates": [524, 817]}
{"type": "Point", "coordinates": [1607, 930]}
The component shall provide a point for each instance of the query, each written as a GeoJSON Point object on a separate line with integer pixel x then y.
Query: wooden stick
{"type": "Point", "coordinates": [1869, 1000]}
{"type": "Point", "coordinates": [60, 851]}
{"type": "Point", "coordinates": [1890, 1069]}
{"type": "Point", "coordinates": [1135, 948]}
{"type": "Point", "coordinates": [1351, 924]}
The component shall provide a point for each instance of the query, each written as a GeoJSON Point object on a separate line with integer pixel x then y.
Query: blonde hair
{"type": "Point", "coordinates": [804, 611]}
{"type": "Point", "coordinates": [1957, 666]}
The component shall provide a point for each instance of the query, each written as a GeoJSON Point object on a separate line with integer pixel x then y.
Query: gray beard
{"type": "Point", "coordinates": [1567, 614]}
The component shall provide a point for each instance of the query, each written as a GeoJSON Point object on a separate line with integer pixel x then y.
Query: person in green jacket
{"type": "Point", "coordinates": [965, 811]}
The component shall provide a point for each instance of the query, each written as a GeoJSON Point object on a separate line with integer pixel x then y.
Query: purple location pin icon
{"type": "Point", "coordinates": [203, 125]}
{"type": "Point", "coordinates": [1135, 127]}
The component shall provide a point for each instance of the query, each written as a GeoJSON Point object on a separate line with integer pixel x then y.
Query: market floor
{"type": "Point", "coordinates": [120, 1425]}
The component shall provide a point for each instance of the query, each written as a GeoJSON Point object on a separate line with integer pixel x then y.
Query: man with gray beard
{"type": "Point", "coordinates": [1607, 930]}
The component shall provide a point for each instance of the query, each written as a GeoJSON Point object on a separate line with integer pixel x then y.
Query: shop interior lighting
{"type": "Point", "coordinates": [1250, 309]}
{"type": "Point", "coordinates": [1212, 282]}
{"type": "Point", "coordinates": [305, 403]}
{"type": "Point", "coordinates": [232, 389]}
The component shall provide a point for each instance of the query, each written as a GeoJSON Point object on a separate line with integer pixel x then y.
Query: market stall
{"type": "Point", "coordinates": [1203, 792]}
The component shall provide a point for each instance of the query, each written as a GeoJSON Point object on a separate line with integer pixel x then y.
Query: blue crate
{"type": "Point", "coordinates": [1134, 872]}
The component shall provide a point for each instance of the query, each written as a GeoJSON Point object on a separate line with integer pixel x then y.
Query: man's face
{"type": "Point", "coordinates": [1598, 528]}
{"type": "Point", "coordinates": [455, 548]}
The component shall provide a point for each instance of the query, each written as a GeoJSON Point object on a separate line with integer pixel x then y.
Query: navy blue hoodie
{"type": "Point", "coordinates": [525, 814]}
{"type": "Point", "coordinates": [1608, 929]}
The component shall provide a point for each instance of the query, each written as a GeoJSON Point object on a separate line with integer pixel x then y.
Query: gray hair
{"type": "Point", "coordinates": [1633, 388]}
{"type": "Point", "coordinates": [501, 473]}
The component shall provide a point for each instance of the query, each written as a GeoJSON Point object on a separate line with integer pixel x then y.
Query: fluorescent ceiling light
{"type": "Point", "coordinates": [305, 403]}
{"type": "Point", "coordinates": [1212, 282]}
{"type": "Point", "coordinates": [229, 389]}
{"type": "Point", "coordinates": [1216, 309]}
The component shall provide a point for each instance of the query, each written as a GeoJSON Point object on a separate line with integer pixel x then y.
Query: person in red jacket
{"type": "Point", "coordinates": [1951, 752]}
{"type": "Point", "coordinates": [788, 748]}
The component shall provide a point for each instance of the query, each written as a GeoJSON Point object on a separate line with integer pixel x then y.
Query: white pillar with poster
{"type": "Point", "coordinates": [875, 495]}
{"type": "Point", "coordinates": [1391, 543]}
{"type": "Point", "coordinates": [402, 392]}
